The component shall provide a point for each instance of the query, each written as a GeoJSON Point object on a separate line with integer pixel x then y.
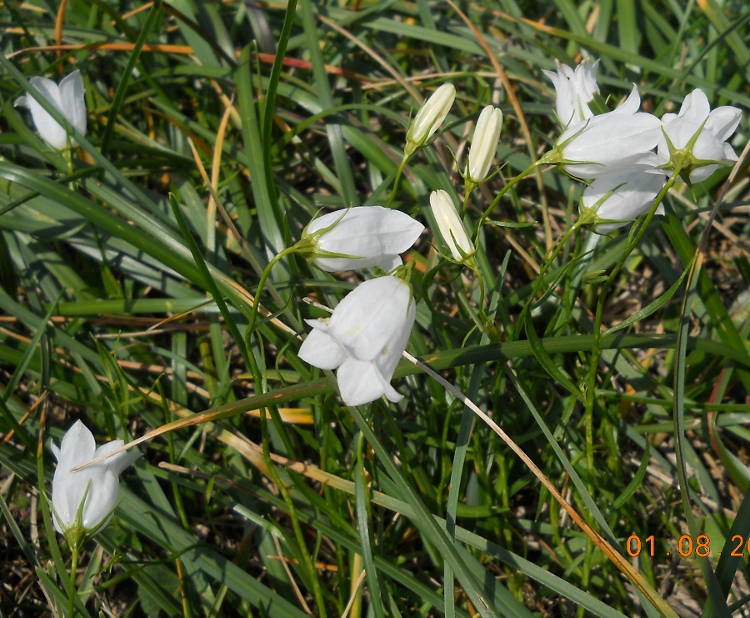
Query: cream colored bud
{"type": "Point", "coordinates": [429, 117]}
{"type": "Point", "coordinates": [451, 227]}
{"type": "Point", "coordinates": [484, 146]}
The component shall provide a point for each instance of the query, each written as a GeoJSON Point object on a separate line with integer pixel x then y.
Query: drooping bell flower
{"type": "Point", "coordinates": [360, 237]}
{"type": "Point", "coordinates": [98, 484]}
{"type": "Point", "coordinates": [613, 201]}
{"type": "Point", "coordinates": [68, 99]}
{"type": "Point", "coordinates": [608, 143]}
{"type": "Point", "coordinates": [364, 339]}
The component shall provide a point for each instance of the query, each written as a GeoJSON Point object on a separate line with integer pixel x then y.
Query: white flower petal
{"type": "Point", "coordinates": [361, 382]}
{"type": "Point", "coordinates": [723, 122]}
{"type": "Point", "coordinates": [365, 337]}
{"type": "Point", "coordinates": [695, 108]}
{"type": "Point", "coordinates": [623, 197]}
{"type": "Point", "coordinates": [321, 350]}
{"type": "Point", "coordinates": [73, 102]}
{"type": "Point", "coordinates": [368, 316]}
{"type": "Point", "coordinates": [574, 90]}
{"type": "Point", "coordinates": [610, 142]}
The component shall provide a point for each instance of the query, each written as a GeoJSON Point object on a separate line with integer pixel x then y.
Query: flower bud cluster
{"type": "Point", "coordinates": [615, 150]}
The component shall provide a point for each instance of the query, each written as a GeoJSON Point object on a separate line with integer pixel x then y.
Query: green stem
{"type": "Point", "coordinates": [396, 181]}
{"type": "Point", "coordinates": [469, 189]}
{"type": "Point", "coordinates": [505, 189]}
{"type": "Point", "coordinates": [262, 283]}
{"type": "Point", "coordinates": [540, 277]}
{"type": "Point", "coordinates": [590, 391]}
{"type": "Point", "coordinates": [72, 581]}
{"type": "Point", "coordinates": [597, 334]}
{"type": "Point", "coordinates": [307, 561]}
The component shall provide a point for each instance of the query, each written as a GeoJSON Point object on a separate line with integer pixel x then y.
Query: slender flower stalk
{"type": "Point", "coordinates": [633, 240]}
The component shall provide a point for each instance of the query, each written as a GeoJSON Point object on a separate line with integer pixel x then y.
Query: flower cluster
{"type": "Point", "coordinates": [369, 329]}
{"type": "Point", "coordinates": [615, 150]}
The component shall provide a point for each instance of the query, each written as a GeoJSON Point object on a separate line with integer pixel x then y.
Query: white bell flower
{"type": "Point", "coordinates": [575, 90]}
{"type": "Point", "coordinates": [429, 117]}
{"type": "Point", "coordinates": [484, 147]}
{"type": "Point", "coordinates": [360, 237]}
{"type": "Point", "coordinates": [364, 338]}
{"type": "Point", "coordinates": [710, 149]}
{"type": "Point", "coordinates": [451, 227]}
{"type": "Point", "coordinates": [99, 483]}
{"type": "Point", "coordinates": [608, 143]}
{"type": "Point", "coordinates": [68, 100]}
{"type": "Point", "coordinates": [613, 201]}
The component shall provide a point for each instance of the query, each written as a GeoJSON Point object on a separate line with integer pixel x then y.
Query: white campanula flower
{"type": "Point", "coordinates": [361, 237]}
{"type": "Point", "coordinates": [608, 143]}
{"type": "Point", "coordinates": [99, 483]}
{"type": "Point", "coordinates": [484, 147]}
{"type": "Point", "coordinates": [575, 90]}
{"type": "Point", "coordinates": [68, 100]}
{"type": "Point", "coordinates": [364, 338]}
{"type": "Point", "coordinates": [709, 132]}
{"type": "Point", "coordinates": [615, 200]}
{"type": "Point", "coordinates": [429, 117]}
{"type": "Point", "coordinates": [451, 227]}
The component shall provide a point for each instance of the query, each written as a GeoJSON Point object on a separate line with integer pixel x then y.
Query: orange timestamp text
{"type": "Point", "coordinates": [687, 546]}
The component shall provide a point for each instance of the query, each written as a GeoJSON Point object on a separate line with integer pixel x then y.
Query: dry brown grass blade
{"type": "Point", "coordinates": [147, 47]}
{"type": "Point", "coordinates": [59, 23]}
{"type": "Point", "coordinates": [376, 57]}
{"type": "Point", "coordinates": [614, 556]}
{"type": "Point", "coordinates": [215, 173]}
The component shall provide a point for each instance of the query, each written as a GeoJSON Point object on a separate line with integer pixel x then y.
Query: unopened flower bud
{"type": "Point", "coordinates": [429, 117]}
{"type": "Point", "coordinates": [451, 227]}
{"type": "Point", "coordinates": [484, 147]}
